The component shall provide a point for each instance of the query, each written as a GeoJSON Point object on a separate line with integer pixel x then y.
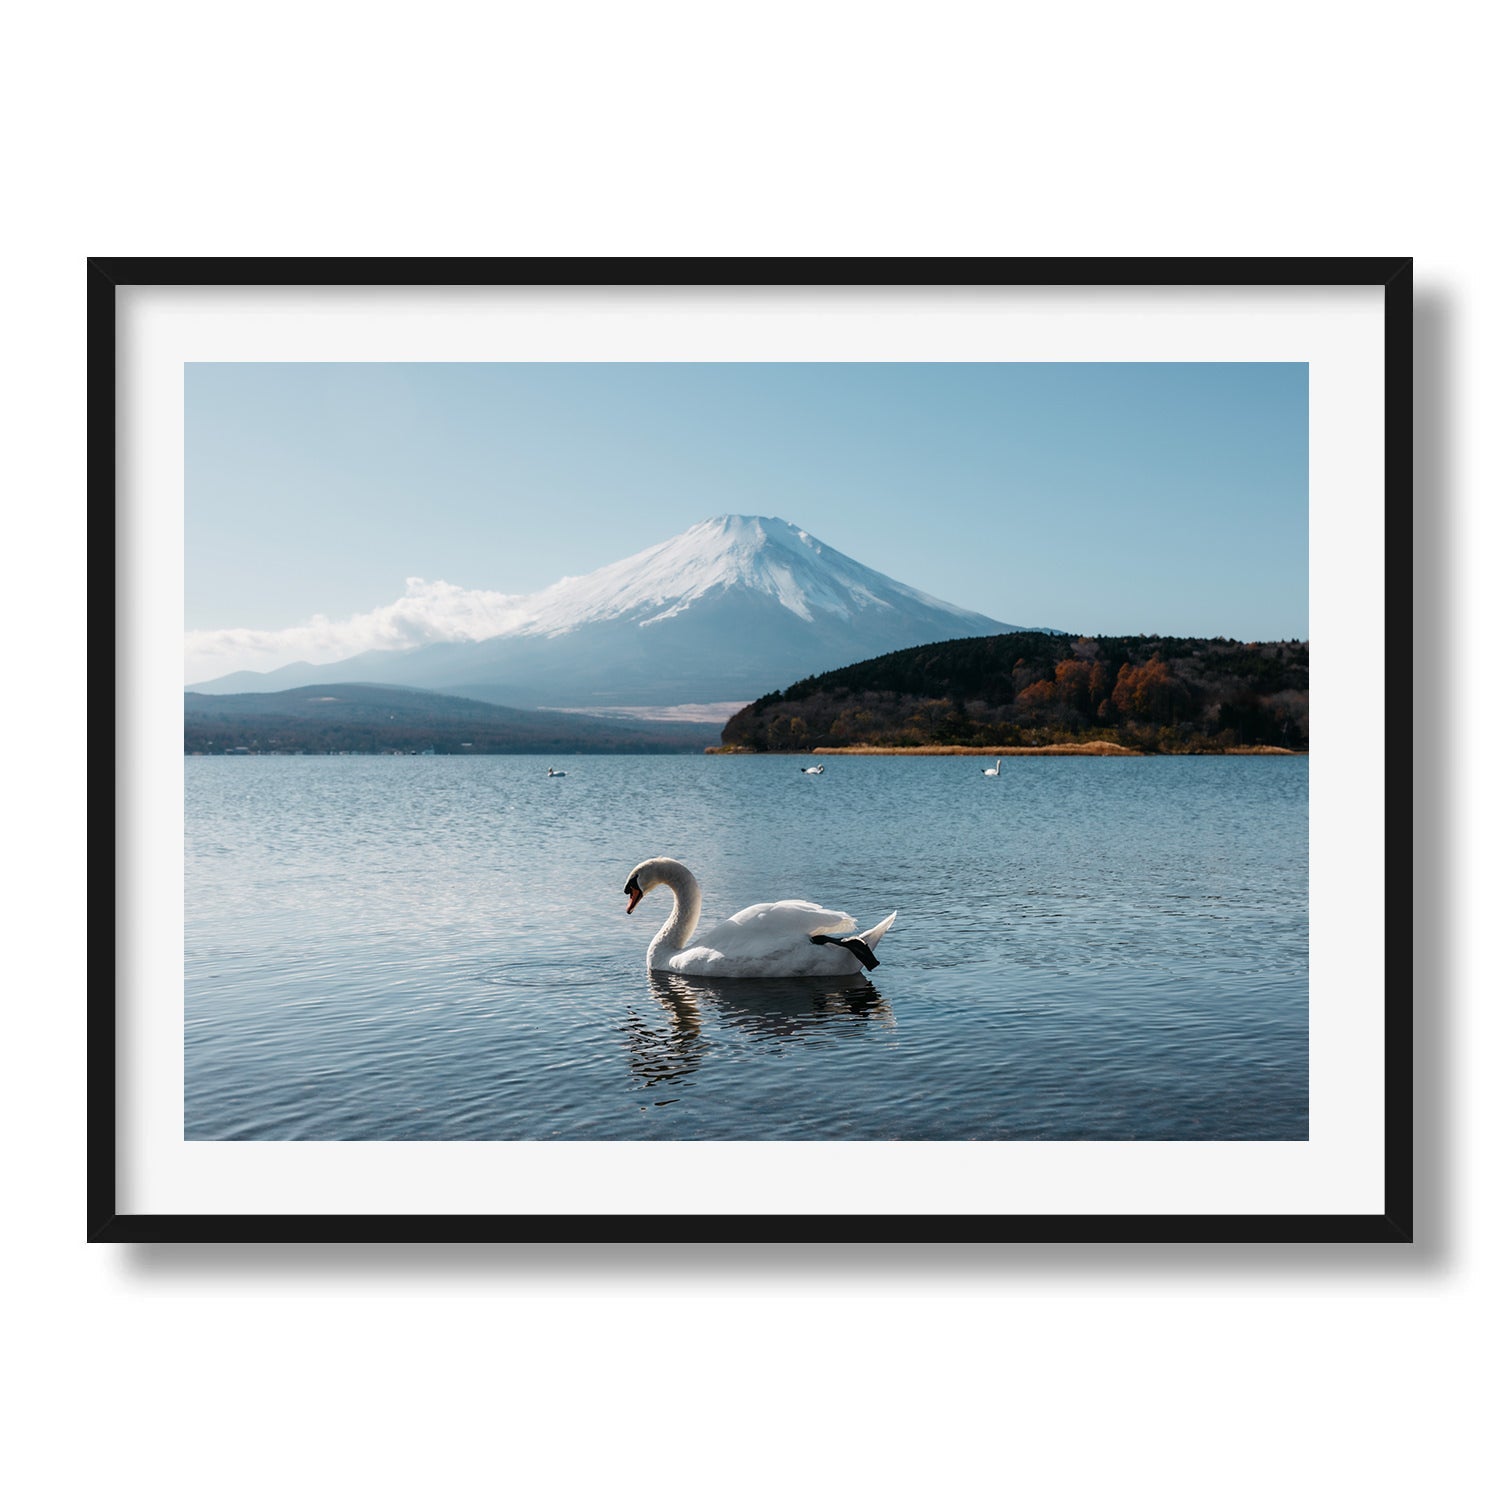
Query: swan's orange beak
{"type": "Point", "coordinates": [635, 893]}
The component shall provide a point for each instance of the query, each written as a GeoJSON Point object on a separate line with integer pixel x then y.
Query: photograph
{"type": "Point", "coordinates": [792, 691]}
{"type": "Point", "coordinates": [777, 751]}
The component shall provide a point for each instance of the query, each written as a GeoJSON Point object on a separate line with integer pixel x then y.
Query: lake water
{"type": "Point", "coordinates": [436, 948]}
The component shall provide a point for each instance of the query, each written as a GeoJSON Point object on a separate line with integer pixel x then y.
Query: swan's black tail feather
{"type": "Point", "coordinates": [857, 946]}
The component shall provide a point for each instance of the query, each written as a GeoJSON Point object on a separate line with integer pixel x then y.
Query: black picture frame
{"type": "Point", "coordinates": [105, 1223]}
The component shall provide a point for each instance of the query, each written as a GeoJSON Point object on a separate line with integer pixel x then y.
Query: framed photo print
{"type": "Point", "coordinates": [881, 750]}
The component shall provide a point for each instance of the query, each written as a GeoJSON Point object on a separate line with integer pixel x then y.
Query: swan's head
{"type": "Point", "coordinates": [651, 873]}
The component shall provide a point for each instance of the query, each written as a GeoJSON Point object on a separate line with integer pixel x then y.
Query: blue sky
{"type": "Point", "coordinates": [1099, 498]}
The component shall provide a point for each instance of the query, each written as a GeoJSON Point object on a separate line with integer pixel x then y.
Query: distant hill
{"type": "Point", "coordinates": [728, 609]}
{"type": "Point", "coordinates": [372, 718]}
{"type": "Point", "coordinates": [1154, 693]}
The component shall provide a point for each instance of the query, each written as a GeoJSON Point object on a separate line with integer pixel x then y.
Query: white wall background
{"type": "Point", "coordinates": [314, 128]}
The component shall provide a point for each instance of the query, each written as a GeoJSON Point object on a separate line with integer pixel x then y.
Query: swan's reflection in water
{"type": "Point", "coordinates": [675, 1040]}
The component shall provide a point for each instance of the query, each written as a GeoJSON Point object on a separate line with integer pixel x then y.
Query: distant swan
{"type": "Point", "coordinates": [774, 940]}
{"type": "Point", "coordinates": [551, 772]}
{"type": "Point", "coordinates": [993, 771]}
{"type": "Point", "coordinates": [816, 770]}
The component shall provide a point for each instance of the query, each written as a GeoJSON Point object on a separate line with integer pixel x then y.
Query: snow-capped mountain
{"type": "Point", "coordinates": [756, 553]}
{"type": "Point", "coordinates": [730, 609]}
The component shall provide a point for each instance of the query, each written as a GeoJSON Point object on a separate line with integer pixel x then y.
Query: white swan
{"type": "Point", "coordinates": [995, 771]}
{"type": "Point", "coordinates": [551, 772]}
{"type": "Point", "coordinates": [774, 940]}
{"type": "Point", "coordinates": [816, 770]}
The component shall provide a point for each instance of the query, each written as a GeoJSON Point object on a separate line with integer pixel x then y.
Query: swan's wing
{"type": "Point", "coordinates": [772, 927]}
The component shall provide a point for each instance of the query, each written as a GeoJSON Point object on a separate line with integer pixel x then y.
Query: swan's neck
{"type": "Point", "coordinates": [687, 902]}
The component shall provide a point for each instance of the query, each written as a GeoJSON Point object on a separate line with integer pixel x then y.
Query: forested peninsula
{"type": "Point", "coordinates": [1147, 693]}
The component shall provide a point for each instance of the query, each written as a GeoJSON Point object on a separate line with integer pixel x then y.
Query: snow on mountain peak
{"type": "Point", "coordinates": [734, 605]}
{"type": "Point", "coordinates": [762, 554]}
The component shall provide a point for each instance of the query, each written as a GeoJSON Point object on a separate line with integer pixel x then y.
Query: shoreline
{"type": "Point", "coordinates": [1000, 752]}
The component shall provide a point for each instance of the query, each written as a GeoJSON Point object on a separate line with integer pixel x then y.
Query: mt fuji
{"type": "Point", "coordinates": [731, 608]}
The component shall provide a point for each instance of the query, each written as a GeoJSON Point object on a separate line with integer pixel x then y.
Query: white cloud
{"type": "Point", "coordinates": [426, 612]}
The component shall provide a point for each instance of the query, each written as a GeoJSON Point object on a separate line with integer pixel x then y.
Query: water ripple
{"type": "Point", "coordinates": [1093, 950]}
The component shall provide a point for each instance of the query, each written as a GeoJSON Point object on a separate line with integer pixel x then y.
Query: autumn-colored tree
{"type": "Point", "coordinates": [1152, 693]}
{"type": "Point", "coordinates": [1073, 684]}
{"type": "Point", "coordinates": [1038, 695]}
